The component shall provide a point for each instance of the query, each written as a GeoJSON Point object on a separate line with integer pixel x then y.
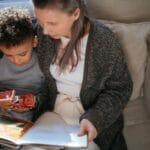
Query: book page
{"type": "Point", "coordinates": [11, 129]}
{"type": "Point", "coordinates": [50, 129]}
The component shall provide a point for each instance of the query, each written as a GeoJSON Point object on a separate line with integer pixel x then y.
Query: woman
{"type": "Point", "coordinates": [85, 70]}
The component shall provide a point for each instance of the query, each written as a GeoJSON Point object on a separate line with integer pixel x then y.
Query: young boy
{"type": "Point", "coordinates": [19, 68]}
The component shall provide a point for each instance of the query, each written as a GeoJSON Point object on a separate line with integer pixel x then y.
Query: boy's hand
{"type": "Point", "coordinates": [86, 127]}
{"type": "Point", "coordinates": [24, 103]}
{"type": "Point", "coordinates": [8, 100]}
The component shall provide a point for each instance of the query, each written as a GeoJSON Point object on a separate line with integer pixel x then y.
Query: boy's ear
{"type": "Point", "coordinates": [35, 41]}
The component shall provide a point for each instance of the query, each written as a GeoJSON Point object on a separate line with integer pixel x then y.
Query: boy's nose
{"type": "Point", "coordinates": [16, 61]}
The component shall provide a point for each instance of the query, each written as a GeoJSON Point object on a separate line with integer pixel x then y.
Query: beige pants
{"type": "Point", "coordinates": [70, 109]}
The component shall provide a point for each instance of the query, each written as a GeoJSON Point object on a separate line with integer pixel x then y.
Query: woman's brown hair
{"type": "Point", "coordinates": [71, 53]}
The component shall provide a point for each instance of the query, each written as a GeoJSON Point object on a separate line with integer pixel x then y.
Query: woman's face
{"type": "Point", "coordinates": [56, 23]}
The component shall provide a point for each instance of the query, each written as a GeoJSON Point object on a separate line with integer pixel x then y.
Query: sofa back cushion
{"type": "Point", "coordinates": [147, 83]}
{"type": "Point", "coordinates": [133, 39]}
{"type": "Point", "coordinates": [120, 10]}
{"type": "Point", "coordinates": [130, 20]}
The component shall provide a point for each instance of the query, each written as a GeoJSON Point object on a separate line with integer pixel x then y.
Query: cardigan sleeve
{"type": "Point", "coordinates": [110, 100]}
{"type": "Point", "coordinates": [44, 53]}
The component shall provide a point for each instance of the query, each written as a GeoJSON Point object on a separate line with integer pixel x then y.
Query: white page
{"type": "Point", "coordinates": [50, 129]}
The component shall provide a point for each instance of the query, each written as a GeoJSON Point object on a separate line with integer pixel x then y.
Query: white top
{"type": "Point", "coordinates": [70, 82]}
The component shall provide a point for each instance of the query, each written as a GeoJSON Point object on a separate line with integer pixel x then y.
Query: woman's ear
{"type": "Point", "coordinates": [76, 14]}
{"type": "Point", "coordinates": [35, 41]}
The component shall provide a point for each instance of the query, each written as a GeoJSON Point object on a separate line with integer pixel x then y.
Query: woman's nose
{"type": "Point", "coordinates": [47, 30]}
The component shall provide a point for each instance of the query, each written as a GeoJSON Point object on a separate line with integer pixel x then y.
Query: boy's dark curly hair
{"type": "Point", "coordinates": [15, 26]}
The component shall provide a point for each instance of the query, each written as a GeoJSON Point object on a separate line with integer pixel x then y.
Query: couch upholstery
{"type": "Point", "coordinates": [130, 21]}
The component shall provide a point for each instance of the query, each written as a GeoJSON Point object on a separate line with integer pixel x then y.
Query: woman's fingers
{"type": "Point", "coordinates": [86, 127]}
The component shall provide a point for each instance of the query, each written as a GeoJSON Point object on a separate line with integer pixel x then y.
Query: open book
{"type": "Point", "coordinates": [48, 130]}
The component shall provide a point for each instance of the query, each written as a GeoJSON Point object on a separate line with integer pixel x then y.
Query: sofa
{"type": "Point", "coordinates": [130, 21]}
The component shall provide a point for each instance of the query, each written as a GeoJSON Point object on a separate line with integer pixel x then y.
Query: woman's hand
{"type": "Point", "coordinates": [86, 127]}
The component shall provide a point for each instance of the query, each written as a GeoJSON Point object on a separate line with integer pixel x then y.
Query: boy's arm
{"type": "Point", "coordinates": [43, 101]}
{"type": "Point", "coordinates": [1, 54]}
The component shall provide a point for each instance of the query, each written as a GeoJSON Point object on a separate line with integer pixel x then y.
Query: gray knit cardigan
{"type": "Point", "coordinates": [106, 86]}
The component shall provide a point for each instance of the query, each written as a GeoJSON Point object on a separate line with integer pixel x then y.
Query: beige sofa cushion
{"type": "Point", "coordinates": [146, 91]}
{"type": "Point", "coordinates": [120, 10]}
{"type": "Point", "coordinates": [133, 41]}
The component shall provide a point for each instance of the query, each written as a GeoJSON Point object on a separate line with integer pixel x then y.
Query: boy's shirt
{"type": "Point", "coordinates": [24, 79]}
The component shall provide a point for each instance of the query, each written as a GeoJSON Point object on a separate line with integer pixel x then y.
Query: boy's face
{"type": "Point", "coordinates": [20, 54]}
